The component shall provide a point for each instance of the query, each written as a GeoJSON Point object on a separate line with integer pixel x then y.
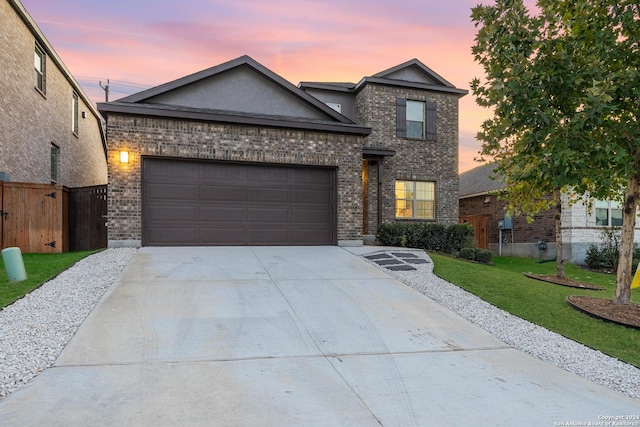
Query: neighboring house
{"type": "Point", "coordinates": [236, 155]}
{"type": "Point", "coordinates": [581, 226]}
{"type": "Point", "coordinates": [53, 166]}
{"type": "Point", "coordinates": [50, 132]}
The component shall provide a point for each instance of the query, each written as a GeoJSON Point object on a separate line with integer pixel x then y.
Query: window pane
{"type": "Point", "coordinates": [616, 217]}
{"type": "Point", "coordinates": [415, 130]}
{"type": "Point", "coordinates": [602, 217]}
{"type": "Point", "coordinates": [425, 209]}
{"type": "Point", "coordinates": [38, 65]}
{"type": "Point", "coordinates": [404, 209]}
{"type": "Point", "coordinates": [602, 204]}
{"type": "Point", "coordinates": [74, 113]}
{"type": "Point", "coordinates": [55, 163]}
{"type": "Point", "coordinates": [415, 111]}
{"type": "Point", "coordinates": [404, 190]}
{"type": "Point", "coordinates": [424, 191]}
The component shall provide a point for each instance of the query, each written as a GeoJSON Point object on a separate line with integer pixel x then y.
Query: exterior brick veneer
{"type": "Point", "coordinates": [32, 120]}
{"type": "Point", "coordinates": [190, 139]}
{"type": "Point", "coordinates": [415, 160]}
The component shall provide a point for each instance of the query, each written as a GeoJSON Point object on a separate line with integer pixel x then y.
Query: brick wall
{"type": "Point", "coordinates": [148, 136]}
{"type": "Point", "coordinates": [542, 227]}
{"type": "Point", "coordinates": [32, 121]}
{"type": "Point", "coordinates": [416, 160]}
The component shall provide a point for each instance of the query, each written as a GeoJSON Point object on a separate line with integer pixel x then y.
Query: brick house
{"type": "Point", "coordinates": [236, 155]}
{"type": "Point", "coordinates": [581, 226]}
{"type": "Point", "coordinates": [50, 132]}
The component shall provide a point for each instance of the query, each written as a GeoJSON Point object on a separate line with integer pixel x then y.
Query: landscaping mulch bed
{"type": "Point", "coordinates": [564, 281]}
{"type": "Point", "coordinates": [606, 309]}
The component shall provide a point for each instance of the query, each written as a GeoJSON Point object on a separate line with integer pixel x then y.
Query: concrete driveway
{"type": "Point", "coordinates": [288, 336]}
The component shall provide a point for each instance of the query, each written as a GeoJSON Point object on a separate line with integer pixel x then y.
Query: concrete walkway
{"type": "Point", "coordinates": [291, 336]}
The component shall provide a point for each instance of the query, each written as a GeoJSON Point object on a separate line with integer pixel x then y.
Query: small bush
{"type": "Point", "coordinates": [606, 255]}
{"type": "Point", "coordinates": [430, 236]}
{"type": "Point", "coordinates": [484, 256]}
{"type": "Point", "coordinates": [468, 254]}
{"type": "Point", "coordinates": [476, 254]}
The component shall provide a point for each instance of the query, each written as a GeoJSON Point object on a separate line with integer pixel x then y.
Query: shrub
{"type": "Point", "coordinates": [476, 254]}
{"type": "Point", "coordinates": [468, 253]}
{"type": "Point", "coordinates": [606, 255]}
{"type": "Point", "coordinates": [459, 236]}
{"type": "Point", "coordinates": [484, 256]}
{"type": "Point", "coordinates": [431, 236]}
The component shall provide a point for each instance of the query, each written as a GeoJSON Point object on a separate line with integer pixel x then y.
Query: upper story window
{"type": "Point", "coordinates": [416, 119]}
{"type": "Point", "coordinates": [608, 213]}
{"type": "Point", "coordinates": [39, 67]}
{"type": "Point", "coordinates": [74, 113]}
{"type": "Point", "coordinates": [415, 199]}
{"type": "Point", "coordinates": [55, 163]}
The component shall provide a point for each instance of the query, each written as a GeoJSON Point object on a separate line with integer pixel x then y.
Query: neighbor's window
{"type": "Point", "coordinates": [39, 69]}
{"type": "Point", "coordinates": [415, 199]}
{"type": "Point", "coordinates": [55, 163]}
{"type": "Point", "coordinates": [608, 213]}
{"type": "Point", "coordinates": [415, 119]}
{"type": "Point", "coordinates": [74, 113]}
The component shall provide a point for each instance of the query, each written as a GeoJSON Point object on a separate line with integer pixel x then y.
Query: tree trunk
{"type": "Point", "coordinates": [558, 223]}
{"type": "Point", "coordinates": [625, 269]}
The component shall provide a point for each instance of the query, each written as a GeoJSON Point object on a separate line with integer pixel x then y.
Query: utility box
{"type": "Point", "coordinates": [506, 223]}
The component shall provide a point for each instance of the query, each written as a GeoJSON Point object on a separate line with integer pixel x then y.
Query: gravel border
{"type": "Point", "coordinates": [35, 328]}
{"type": "Point", "coordinates": [521, 334]}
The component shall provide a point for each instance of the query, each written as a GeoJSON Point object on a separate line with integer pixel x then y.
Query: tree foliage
{"type": "Point", "coordinates": [563, 85]}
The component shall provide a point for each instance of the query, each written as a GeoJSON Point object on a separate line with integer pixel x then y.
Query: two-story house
{"type": "Point", "coordinates": [53, 166]}
{"type": "Point", "coordinates": [50, 131]}
{"type": "Point", "coordinates": [237, 155]}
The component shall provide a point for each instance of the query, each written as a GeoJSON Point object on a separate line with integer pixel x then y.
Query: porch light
{"type": "Point", "coordinates": [124, 157]}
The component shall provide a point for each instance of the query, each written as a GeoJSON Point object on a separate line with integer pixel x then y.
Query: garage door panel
{"type": "Point", "coordinates": [222, 214]}
{"type": "Point", "coordinates": [222, 194]}
{"type": "Point", "coordinates": [172, 213]}
{"type": "Point", "coordinates": [172, 192]}
{"type": "Point", "coordinates": [306, 216]}
{"type": "Point", "coordinates": [192, 202]}
{"type": "Point", "coordinates": [320, 197]}
{"type": "Point", "coordinates": [269, 195]}
{"type": "Point", "coordinates": [222, 173]}
{"type": "Point", "coordinates": [231, 236]}
{"type": "Point", "coordinates": [268, 215]}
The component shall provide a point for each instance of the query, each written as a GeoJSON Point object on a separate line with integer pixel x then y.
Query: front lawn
{"type": "Point", "coordinates": [505, 286]}
{"type": "Point", "coordinates": [40, 268]}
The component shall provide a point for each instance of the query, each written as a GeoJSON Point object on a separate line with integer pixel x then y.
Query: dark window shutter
{"type": "Point", "coordinates": [432, 124]}
{"type": "Point", "coordinates": [401, 117]}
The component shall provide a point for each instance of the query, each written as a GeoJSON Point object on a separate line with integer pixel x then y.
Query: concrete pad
{"type": "Point", "coordinates": [286, 336]}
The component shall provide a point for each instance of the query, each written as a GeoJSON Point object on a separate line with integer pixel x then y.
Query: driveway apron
{"type": "Point", "coordinates": [288, 336]}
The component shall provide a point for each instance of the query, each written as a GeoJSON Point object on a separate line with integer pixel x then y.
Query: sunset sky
{"type": "Point", "coordinates": [138, 44]}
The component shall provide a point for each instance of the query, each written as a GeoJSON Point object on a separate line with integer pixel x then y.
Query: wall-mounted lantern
{"type": "Point", "coordinates": [124, 157]}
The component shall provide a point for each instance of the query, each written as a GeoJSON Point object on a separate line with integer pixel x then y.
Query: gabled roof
{"type": "Point", "coordinates": [210, 88]}
{"type": "Point", "coordinates": [411, 74]}
{"type": "Point", "coordinates": [479, 181]}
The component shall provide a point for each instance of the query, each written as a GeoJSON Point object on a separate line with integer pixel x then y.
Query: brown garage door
{"type": "Point", "coordinates": [207, 203]}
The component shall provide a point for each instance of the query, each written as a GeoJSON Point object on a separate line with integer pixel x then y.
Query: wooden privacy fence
{"type": "Point", "coordinates": [49, 218]}
{"type": "Point", "coordinates": [480, 225]}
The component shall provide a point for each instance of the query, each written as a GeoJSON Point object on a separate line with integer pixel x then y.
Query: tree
{"type": "Point", "coordinates": [563, 86]}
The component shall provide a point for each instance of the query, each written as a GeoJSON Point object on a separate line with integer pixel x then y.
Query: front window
{"type": "Point", "coordinates": [415, 119]}
{"type": "Point", "coordinates": [39, 67]}
{"type": "Point", "coordinates": [608, 213]}
{"type": "Point", "coordinates": [74, 113]}
{"type": "Point", "coordinates": [55, 163]}
{"type": "Point", "coordinates": [415, 199]}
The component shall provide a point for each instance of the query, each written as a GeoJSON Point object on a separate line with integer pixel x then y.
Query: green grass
{"type": "Point", "coordinates": [40, 268]}
{"type": "Point", "coordinates": [505, 286]}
